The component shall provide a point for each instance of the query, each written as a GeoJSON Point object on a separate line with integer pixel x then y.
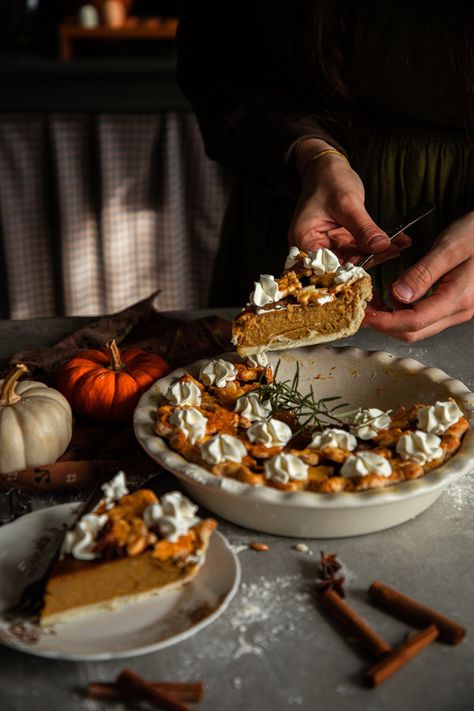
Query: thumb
{"type": "Point", "coordinates": [351, 214]}
{"type": "Point", "coordinates": [416, 281]}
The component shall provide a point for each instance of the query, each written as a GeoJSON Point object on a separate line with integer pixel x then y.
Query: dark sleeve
{"type": "Point", "coordinates": [227, 71]}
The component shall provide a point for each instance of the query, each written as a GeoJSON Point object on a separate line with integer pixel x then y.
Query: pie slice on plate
{"type": "Point", "coordinates": [131, 546]}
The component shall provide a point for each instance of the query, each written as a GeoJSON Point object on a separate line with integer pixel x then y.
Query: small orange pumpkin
{"type": "Point", "coordinates": [105, 385]}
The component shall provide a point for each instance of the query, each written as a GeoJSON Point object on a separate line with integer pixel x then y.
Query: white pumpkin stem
{"type": "Point", "coordinates": [114, 355]}
{"type": "Point", "coordinates": [8, 395]}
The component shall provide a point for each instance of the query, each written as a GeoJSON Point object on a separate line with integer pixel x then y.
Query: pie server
{"type": "Point", "coordinates": [416, 214]}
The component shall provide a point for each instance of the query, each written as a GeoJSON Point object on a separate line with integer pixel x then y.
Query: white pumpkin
{"type": "Point", "coordinates": [35, 423]}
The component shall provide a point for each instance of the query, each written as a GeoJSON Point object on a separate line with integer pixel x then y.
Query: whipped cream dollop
{"type": "Point", "coordinates": [333, 437]}
{"type": "Point", "coordinates": [321, 261]}
{"type": "Point", "coordinates": [366, 424]}
{"type": "Point", "coordinates": [364, 463]}
{"type": "Point", "coordinates": [190, 421]}
{"type": "Point", "coordinates": [419, 447]}
{"type": "Point", "coordinates": [284, 468]}
{"type": "Point", "coordinates": [439, 417]}
{"type": "Point", "coordinates": [172, 517]}
{"type": "Point", "coordinates": [250, 407]}
{"type": "Point", "coordinates": [266, 291]}
{"type": "Point", "coordinates": [347, 272]}
{"type": "Point", "coordinates": [292, 257]}
{"type": "Point", "coordinates": [114, 490]}
{"type": "Point", "coordinates": [258, 360]}
{"type": "Point", "coordinates": [270, 433]}
{"type": "Point", "coordinates": [221, 448]}
{"type": "Point", "coordinates": [80, 542]}
{"type": "Point", "coordinates": [218, 372]}
{"type": "Point", "coordinates": [183, 392]}
{"type": "Point", "coordinates": [326, 299]}
{"type": "Point", "coordinates": [312, 294]}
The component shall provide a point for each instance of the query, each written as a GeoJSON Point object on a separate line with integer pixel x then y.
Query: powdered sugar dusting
{"type": "Point", "coordinates": [461, 493]}
{"type": "Point", "coordinates": [238, 547]}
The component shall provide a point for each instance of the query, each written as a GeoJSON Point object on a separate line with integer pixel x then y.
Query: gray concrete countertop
{"type": "Point", "coordinates": [273, 649]}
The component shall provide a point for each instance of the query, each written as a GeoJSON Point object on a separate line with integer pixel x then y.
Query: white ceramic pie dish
{"type": "Point", "coordinates": [362, 378]}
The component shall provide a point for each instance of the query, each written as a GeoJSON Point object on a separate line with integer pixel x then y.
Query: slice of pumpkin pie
{"type": "Point", "coordinates": [317, 299]}
{"type": "Point", "coordinates": [130, 547]}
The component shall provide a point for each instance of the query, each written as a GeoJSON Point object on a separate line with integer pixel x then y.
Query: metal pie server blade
{"type": "Point", "coordinates": [416, 214]}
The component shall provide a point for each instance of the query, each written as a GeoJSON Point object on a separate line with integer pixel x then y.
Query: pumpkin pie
{"type": "Point", "coordinates": [231, 420]}
{"type": "Point", "coordinates": [317, 299]}
{"type": "Point", "coordinates": [130, 547]}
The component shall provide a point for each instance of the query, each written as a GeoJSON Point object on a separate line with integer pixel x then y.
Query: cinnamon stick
{"type": "Point", "coordinates": [144, 689]}
{"type": "Point", "coordinates": [384, 669]}
{"type": "Point", "coordinates": [353, 624]}
{"type": "Point", "coordinates": [184, 691]}
{"type": "Point", "coordinates": [418, 615]}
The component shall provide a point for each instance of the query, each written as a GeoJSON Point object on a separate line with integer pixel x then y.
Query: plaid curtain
{"type": "Point", "coordinates": [97, 212]}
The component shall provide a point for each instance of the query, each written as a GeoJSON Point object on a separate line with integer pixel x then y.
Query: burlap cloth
{"type": "Point", "coordinates": [97, 451]}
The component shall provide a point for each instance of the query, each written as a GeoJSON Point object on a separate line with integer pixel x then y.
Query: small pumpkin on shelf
{"type": "Point", "coordinates": [35, 423]}
{"type": "Point", "coordinates": [105, 385]}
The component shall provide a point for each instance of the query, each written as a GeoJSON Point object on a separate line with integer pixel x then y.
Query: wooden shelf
{"type": "Point", "coordinates": [155, 28]}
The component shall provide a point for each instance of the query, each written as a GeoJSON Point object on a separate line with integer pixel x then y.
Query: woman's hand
{"type": "Point", "coordinates": [450, 262]}
{"type": "Point", "coordinates": [330, 211]}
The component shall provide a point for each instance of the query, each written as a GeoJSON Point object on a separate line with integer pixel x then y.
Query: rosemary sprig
{"type": "Point", "coordinates": [308, 410]}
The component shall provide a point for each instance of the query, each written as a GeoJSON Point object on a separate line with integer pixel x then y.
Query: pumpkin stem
{"type": "Point", "coordinates": [8, 395]}
{"type": "Point", "coordinates": [114, 355]}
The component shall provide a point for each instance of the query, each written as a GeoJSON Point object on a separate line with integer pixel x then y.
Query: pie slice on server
{"type": "Point", "coordinates": [317, 299]}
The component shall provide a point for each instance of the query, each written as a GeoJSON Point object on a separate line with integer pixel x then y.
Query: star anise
{"type": "Point", "coordinates": [328, 564]}
{"type": "Point", "coordinates": [328, 579]}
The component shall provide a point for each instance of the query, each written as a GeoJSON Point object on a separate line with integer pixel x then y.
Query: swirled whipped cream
{"type": "Point", "coordinates": [333, 437]}
{"type": "Point", "coordinates": [80, 542]}
{"type": "Point", "coordinates": [222, 448]}
{"type": "Point", "coordinates": [250, 407]}
{"type": "Point", "coordinates": [190, 421]}
{"type": "Point", "coordinates": [366, 424]}
{"type": "Point", "coordinates": [364, 463]}
{"type": "Point", "coordinates": [419, 447]}
{"type": "Point", "coordinates": [292, 258]}
{"type": "Point", "coordinates": [321, 261]}
{"type": "Point", "coordinates": [183, 392]}
{"type": "Point", "coordinates": [259, 360]}
{"type": "Point", "coordinates": [285, 468]}
{"type": "Point", "coordinates": [266, 291]}
{"type": "Point", "coordinates": [347, 272]}
{"type": "Point", "coordinates": [218, 372]}
{"type": "Point", "coordinates": [172, 517]}
{"type": "Point", "coordinates": [114, 490]}
{"type": "Point", "coordinates": [439, 417]}
{"type": "Point", "coordinates": [270, 433]}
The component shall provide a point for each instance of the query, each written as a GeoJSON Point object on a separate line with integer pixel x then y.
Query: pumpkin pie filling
{"type": "Point", "coordinates": [125, 550]}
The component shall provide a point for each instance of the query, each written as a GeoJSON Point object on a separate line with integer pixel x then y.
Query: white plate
{"type": "Point", "coordinates": [362, 378]}
{"type": "Point", "coordinates": [136, 628]}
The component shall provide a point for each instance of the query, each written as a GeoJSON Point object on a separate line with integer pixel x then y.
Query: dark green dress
{"type": "Point", "coordinates": [414, 145]}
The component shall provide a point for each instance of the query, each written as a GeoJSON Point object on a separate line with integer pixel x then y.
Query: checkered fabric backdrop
{"type": "Point", "coordinates": [97, 212]}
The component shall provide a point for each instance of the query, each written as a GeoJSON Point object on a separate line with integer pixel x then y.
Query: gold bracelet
{"type": "Point", "coordinates": [322, 153]}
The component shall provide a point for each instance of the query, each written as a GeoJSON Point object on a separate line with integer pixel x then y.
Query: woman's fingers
{"type": "Point", "coordinates": [448, 252]}
{"type": "Point", "coordinates": [433, 329]}
{"type": "Point", "coordinates": [400, 243]}
{"type": "Point", "coordinates": [451, 303]}
{"type": "Point", "coordinates": [349, 211]}
{"type": "Point", "coordinates": [342, 242]}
